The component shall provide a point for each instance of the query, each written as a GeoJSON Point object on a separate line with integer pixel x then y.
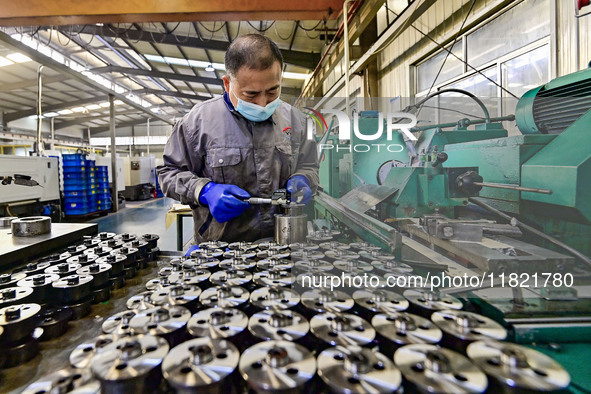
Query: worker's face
{"type": "Point", "coordinates": [254, 86]}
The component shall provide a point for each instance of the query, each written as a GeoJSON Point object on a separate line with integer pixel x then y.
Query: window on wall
{"type": "Point", "coordinates": [511, 54]}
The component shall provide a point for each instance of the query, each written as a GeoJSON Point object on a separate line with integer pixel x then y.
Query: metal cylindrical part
{"type": "Point", "coordinates": [167, 322]}
{"type": "Point", "coordinates": [290, 229]}
{"type": "Point", "coordinates": [30, 226]}
{"type": "Point", "coordinates": [18, 321]}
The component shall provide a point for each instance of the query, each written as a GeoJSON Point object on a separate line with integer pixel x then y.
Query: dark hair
{"type": "Point", "coordinates": [253, 51]}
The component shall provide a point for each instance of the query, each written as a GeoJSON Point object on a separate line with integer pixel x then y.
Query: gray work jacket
{"type": "Point", "coordinates": [213, 142]}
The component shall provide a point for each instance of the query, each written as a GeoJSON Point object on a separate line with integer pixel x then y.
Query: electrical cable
{"type": "Point", "coordinates": [214, 29]}
{"type": "Point", "coordinates": [454, 110]}
{"type": "Point", "coordinates": [313, 28]}
{"type": "Point", "coordinates": [451, 90]}
{"type": "Point", "coordinates": [261, 30]}
{"type": "Point", "coordinates": [69, 37]}
{"type": "Point", "coordinates": [531, 229]}
{"type": "Point", "coordinates": [286, 38]}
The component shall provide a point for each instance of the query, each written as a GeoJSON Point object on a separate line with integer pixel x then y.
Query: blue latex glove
{"type": "Point", "coordinates": [224, 201]}
{"type": "Point", "coordinates": [299, 188]}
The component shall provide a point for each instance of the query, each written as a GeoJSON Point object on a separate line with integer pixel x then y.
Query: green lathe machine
{"type": "Point", "coordinates": [466, 197]}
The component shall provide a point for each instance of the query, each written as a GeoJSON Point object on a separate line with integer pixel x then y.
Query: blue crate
{"type": "Point", "coordinates": [91, 165]}
{"type": "Point", "coordinates": [75, 183]}
{"type": "Point", "coordinates": [75, 212]}
{"type": "Point", "coordinates": [75, 193]}
{"type": "Point", "coordinates": [105, 207]}
{"type": "Point", "coordinates": [75, 199]}
{"type": "Point", "coordinates": [74, 163]}
{"type": "Point", "coordinates": [75, 175]}
{"type": "Point", "coordinates": [103, 190]}
{"type": "Point", "coordinates": [102, 169]}
{"type": "Point", "coordinates": [78, 205]}
{"type": "Point", "coordinates": [102, 180]}
{"type": "Point", "coordinates": [74, 157]}
{"type": "Point", "coordinates": [73, 169]}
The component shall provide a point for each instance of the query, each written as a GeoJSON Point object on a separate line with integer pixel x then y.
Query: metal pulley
{"type": "Point", "coordinates": [213, 245]}
{"type": "Point", "coordinates": [432, 369]}
{"type": "Point", "coordinates": [151, 239]}
{"type": "Point", "coordinates": [231, 277]}
{"type": "Point", "coordinates": [217, 323]}
{"type": "Point", "coordinates": [11, 280]}
{"type": "Point", "coordinates": [237, 263]}
{"type": "Point", "coordinates": [274, 277]}
{"type": "Point", "coordinates": [380, 300]}
{"type": "Point", "coordinates": [312, 265]}
{"type": "Point", "coordinates": [277, 366]}
{"type": "Point", "coordinates": [274, 298]}
{"type": "Point", "coordinates": [65, 381]}
{"type": "Point", "coordinates": [307, 254]}
{"type": "Point", "coordinates": [207, 254]}
{"type": "Point", "coordinates": [224, 297]}
{"type": "Point", "coordinates": [82, 356]}
{"type": "Point", "coordinates": [118, 324]}
{"type": "Point", "coordinates": [460, 328]}
{"type": "Point", "coordinates": [72, 289]}
{"type": "Point", "coordinates": [341, 254]}
{"type": "Point", "coordinates": [83, 259]}
{"type": "Point", "coordinates": [243, 246]}
{"type": "Point", "coordinates": [273, 254]}
{"type": "Point", "coordinates": [274, 263]}
{"type": "Point", "coordinates": [55, 258]}
{"type": "Point", "coordinates": [105, 236]}
{"type": "Point", "coordinates": [41, 285]}
{"type": "Point", "coordinates": [239, 254]}
{"type": "Point", "coordinates": [30, 226]}
{"type": "Point", "coordinates": [283, 325]}
{"type": "Point", "coordinates": [391, 267]}
{"type": "Point", "coordinates": [364, 246]}
{"type": "Point", "coordinates": [76, 250]}
{"type": "Point", "coordinates": [100, 251]}
{"type": "Point", "coordinates": [342, 329]}
{"type": "Point", "coordinates": [160, 283]}
{"type": "Point", "coordinates": [18, 321]}
{"type": "Point", "coordinates": [353, 369]}
{"type": "Point", "coordinates": [63, 269]}
{"type": "Point", "coordinates": [334, 245]}
{"type": "Point", "coordinates": [130, 365]}
{"type": "Point", "coordinates": [15, 295]}
{"type": "Point", "coordinates": [99, 272]}
{"type": "Point", "coordinates": [35, 268]}
{"type": "Point", "coordinates": [320, 301]}
{"type": "Point", "coordinates": [167, 322]}
{"type": "Point", "coordinates": [201, 365]}
{"type": "Point", "coordinates": [112, 243]}
{"type": "Point", "coordinates": [353, 267]}
{"type": "Point", "coordinates": [140, 301]}
{"type": "Point", "coordinates": [196, 276]}
{"type": "Point", "coordinates": [125, 237]}
{"type": "Point", "coordinates": [183, 295]}
{"type": "Point", "coordinates": [399, 329]}
{"type": "Point", "coordinates": [426, 302]}
{"type": "Point", "coordinates": [514, 368]}
{"type": "Point", "coordinates": [131, 255]}
{"type": "Point", "coordinates": [53, 322]}
{"type": "Point", "coordinates": [379, 255]}
{"type": "Point", "coordinates": [6, 220]}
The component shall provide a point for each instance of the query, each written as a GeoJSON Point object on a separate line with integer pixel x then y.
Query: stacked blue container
{"type": "Point", "coordinates": [76, 196]}
{"type": "Point", "coordinates": [92, 185]}
{"type": "Point", "coordinates": [103, 191]}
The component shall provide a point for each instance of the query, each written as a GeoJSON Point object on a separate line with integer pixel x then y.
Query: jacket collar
{"type": "Point", "coordinates": [231, 108]}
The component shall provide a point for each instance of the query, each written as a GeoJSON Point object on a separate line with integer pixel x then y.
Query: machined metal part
{"type": "Point", "coordinates": [274, 298]}
{"type": "Point", "coordinates": [141, 301]}
{"type": "Point", "coordinates": [55, 258]}
{"type": "Point", "coordinates": [126, 237]}
{"type": "Point", "coordinates": [207, 254]}
{"type": "Point", "coordinates": [353, 369]}
{"type": "Point", "coordinates": [273, 277]}
{"type": "Point", "coordinates": [100, 251]}
{"type": "Point", "coordinates": [380, 300]}
{"type": "Point", "coordinates": [237, 264]}
{"type": "Point", "coordinates": [112, 243]}
{"type": "Point", "coordinates": [183, 295]}
{"type": "Point", "coordinates": [209, 263]}
{"type": "Point", "coordinates": [21, 352]}
{"type": "Point", "coordinates": [303, 245]}
{"type": "Point", "coordinates": [217, 323]}
{"type": "Point", "coordinates": [342, 329]}
{"type": "Point", "coordinates": [243, 246]}
{"type": "Point", "coordinates": [405, 328]}
{"type": "Point", "coordinates": [312, 265]}
{"type": "Point", "coordinates": [10, 280]}
{"type": "Point", "coordinates": [116, 261]}
{"type": "Point", "coordinates": [18, 321]}
{"type": "Point", "coordinates": [438, 370]}
{"type": "Point", "coordinates": [130, 253]}
{"type": "Point", "coordinates": [99, 272]}
{"type": "Point", "coordinates": [341, 254]}
{"type": "Point", "coordinates": [516, 368]}
{"type": "Point", "coordinates": [151, 239]}
{"type": "Point", "coordinates": [118, 324]}
{"type": "Point", "coordinates": [161, 282]}
{"type": "Point", "coordinates": [334, 245]}
{"type": "Point", "coordinates": [364, 246]}
{"type": "Point", "coordinates": [30, 226]}
{"type": "Point", "coordinates": [117, 281]}
{"type": "Point", "coordinates": [130, 272]}
{"type": "Point", "coordinates": [15, 295]}
{"type": "Point", "coordinates": [201, 365]}
{"type": "Point", "coordinates": [379, 255]}
{"type": "Point", "coordinates": [6, 220]}
{"type": "Point", "coordinates": [213, 245]}
{"type": "Point", "coordinates": [141, 246]}
{"type": "Point", "coordinates": [91, 242]}
{"type": "Point", "coordinates": [191, 276]}
{"type": "Point", "coordinates": [83, 259]}
{"type": "Point", "coordinates": [82, 308]}
{"type": "Point", "coordinates": [76, 250]}
{"type": "Point", "coordinates": [392, 267]}
{"type": "Point", "coordinates": [291, 227]}
{"type": "Point", "coordinates": [272, 245]}
{"type": "Point", "coordinates": [130, 364]}
{"type": "Point", "coordinates": [65, 380]}
{"type": "Point", "coordinates": [105, 236]}
{"type": "Point", "coordinates": [426, 302]}
{"type": "Point", "coordinates": [168, 322]}
{"type": "Point", "coordinates": [320, 236]}
{"type": "Point", "coordinates": [467, 327]}
{"type": "Point", "coordinates": [224, 297]}
{"type": "Point", "coordinates": [283, 325]}
{"type": "Point", "coordinates": [54, 322]}
{"type": "Point", "coordinates": [239, 254]}
{"type": "Point", "coordinates": [82, 356]}
{"type": "Point", "coordinates": [35, 268]}
{"type": "Point", "coordinates": [72, 289]}
{"type": "Point", "coordinates": [354, 267]}
{"type": "Point", "coordinates": [276, 264]}
{"type": "Point", "coordinates": [101, 294]}
{"type": "Point", "coordinates": [277, 366]}
{"type": "Point", "coordinates": [231, 277]}
{"type": "Point", "coordinates": [321, 300]}
{"type": "Point", "coordinates": [307, 254]}
{"type": "Point", "coordinates": [63, 269]}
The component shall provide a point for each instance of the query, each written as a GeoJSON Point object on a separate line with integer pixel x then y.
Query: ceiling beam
{"type": "Point", "coordinates": [6, 87]}
{"type": "Point", "coordinates": [156, 74]}
{"type": "Point", "coordinates": [172, 93]}
{"type": "Point", "coordinates": [59, 12]}
{"type": "Point", "coordinates": [297, 58]}
{"type": "Point", "coordinates": [121, 125]}
{"type": "Point", "coordinates": [89, 118]}
{"type": "Point", "coordinates": [62, 69]}
{"type": "Point", "coordinates": [10, 116]}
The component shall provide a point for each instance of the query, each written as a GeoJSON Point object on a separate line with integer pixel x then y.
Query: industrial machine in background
{"type": "Point", "coordinates": [469, 198]}
{"type": "Point", "coordinates": [30, 186]}
{"type": "Point", "coordinates": [139, 178]}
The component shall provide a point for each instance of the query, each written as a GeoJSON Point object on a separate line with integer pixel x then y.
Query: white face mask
{"type": "Point", "coordinates": [254, 112]}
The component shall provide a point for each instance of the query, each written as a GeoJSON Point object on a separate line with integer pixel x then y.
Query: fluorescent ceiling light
{"type": "Point", "coordinates": [79, 109]}
{"type": "Point", "coordinates": [104, 104]}
{"type": "Point", "coordinates": [183, 62]}
{"type": "Point", "coordinates": [18, 57]}
{"type": "Point", "coordinates": [5, 62]}
{"type": "Point", "coordinates": [290, 75]}
{"type": "Point", "coordinates": [50, 114]}
{"type": "Point", "coordinates": [118, 102]}
{"type": "Point", "coordinates": [209, 68]}
{"type": "Point", "coordinates": [93, 106]}
{"type": "Point", "coordinates": [65, 112]}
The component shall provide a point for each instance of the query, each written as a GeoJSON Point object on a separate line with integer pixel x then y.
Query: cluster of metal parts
{"type": "Point", "coordinates": [226, 319]}
{"type": "Point", "coordinates": [37, 300]}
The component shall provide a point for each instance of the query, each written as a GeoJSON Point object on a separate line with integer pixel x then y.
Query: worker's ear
{"type": "Point", "coordinates": [226, 80]}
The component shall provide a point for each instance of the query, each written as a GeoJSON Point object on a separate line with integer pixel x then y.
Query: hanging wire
{"type": "Point", "coordinates": [214, 30]}
{"type": "Point", "coordinates": [313, 28]}
{"type": "Point", "coordinates": [261, 30]}
{"type": "Point", "coordinates": [69, 37]}
{"type": "Point", "coordinates": [176, 37]}
{"type": "Point", "coordinates": [310, 37]}
{"type": "Point", "coordinates": [290, 34]}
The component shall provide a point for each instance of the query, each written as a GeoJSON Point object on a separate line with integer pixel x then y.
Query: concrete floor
{"type": "Point", "coordinates": [142, 217]}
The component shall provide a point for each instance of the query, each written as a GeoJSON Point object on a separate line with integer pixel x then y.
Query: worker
{"type": "Point", "coordinates": [246, 143]}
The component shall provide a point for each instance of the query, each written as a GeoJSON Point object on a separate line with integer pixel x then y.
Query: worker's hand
{"type": "Point", "coordinates": [225, 202]}
{"type": "Point", "coordinates": [298, 186]}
